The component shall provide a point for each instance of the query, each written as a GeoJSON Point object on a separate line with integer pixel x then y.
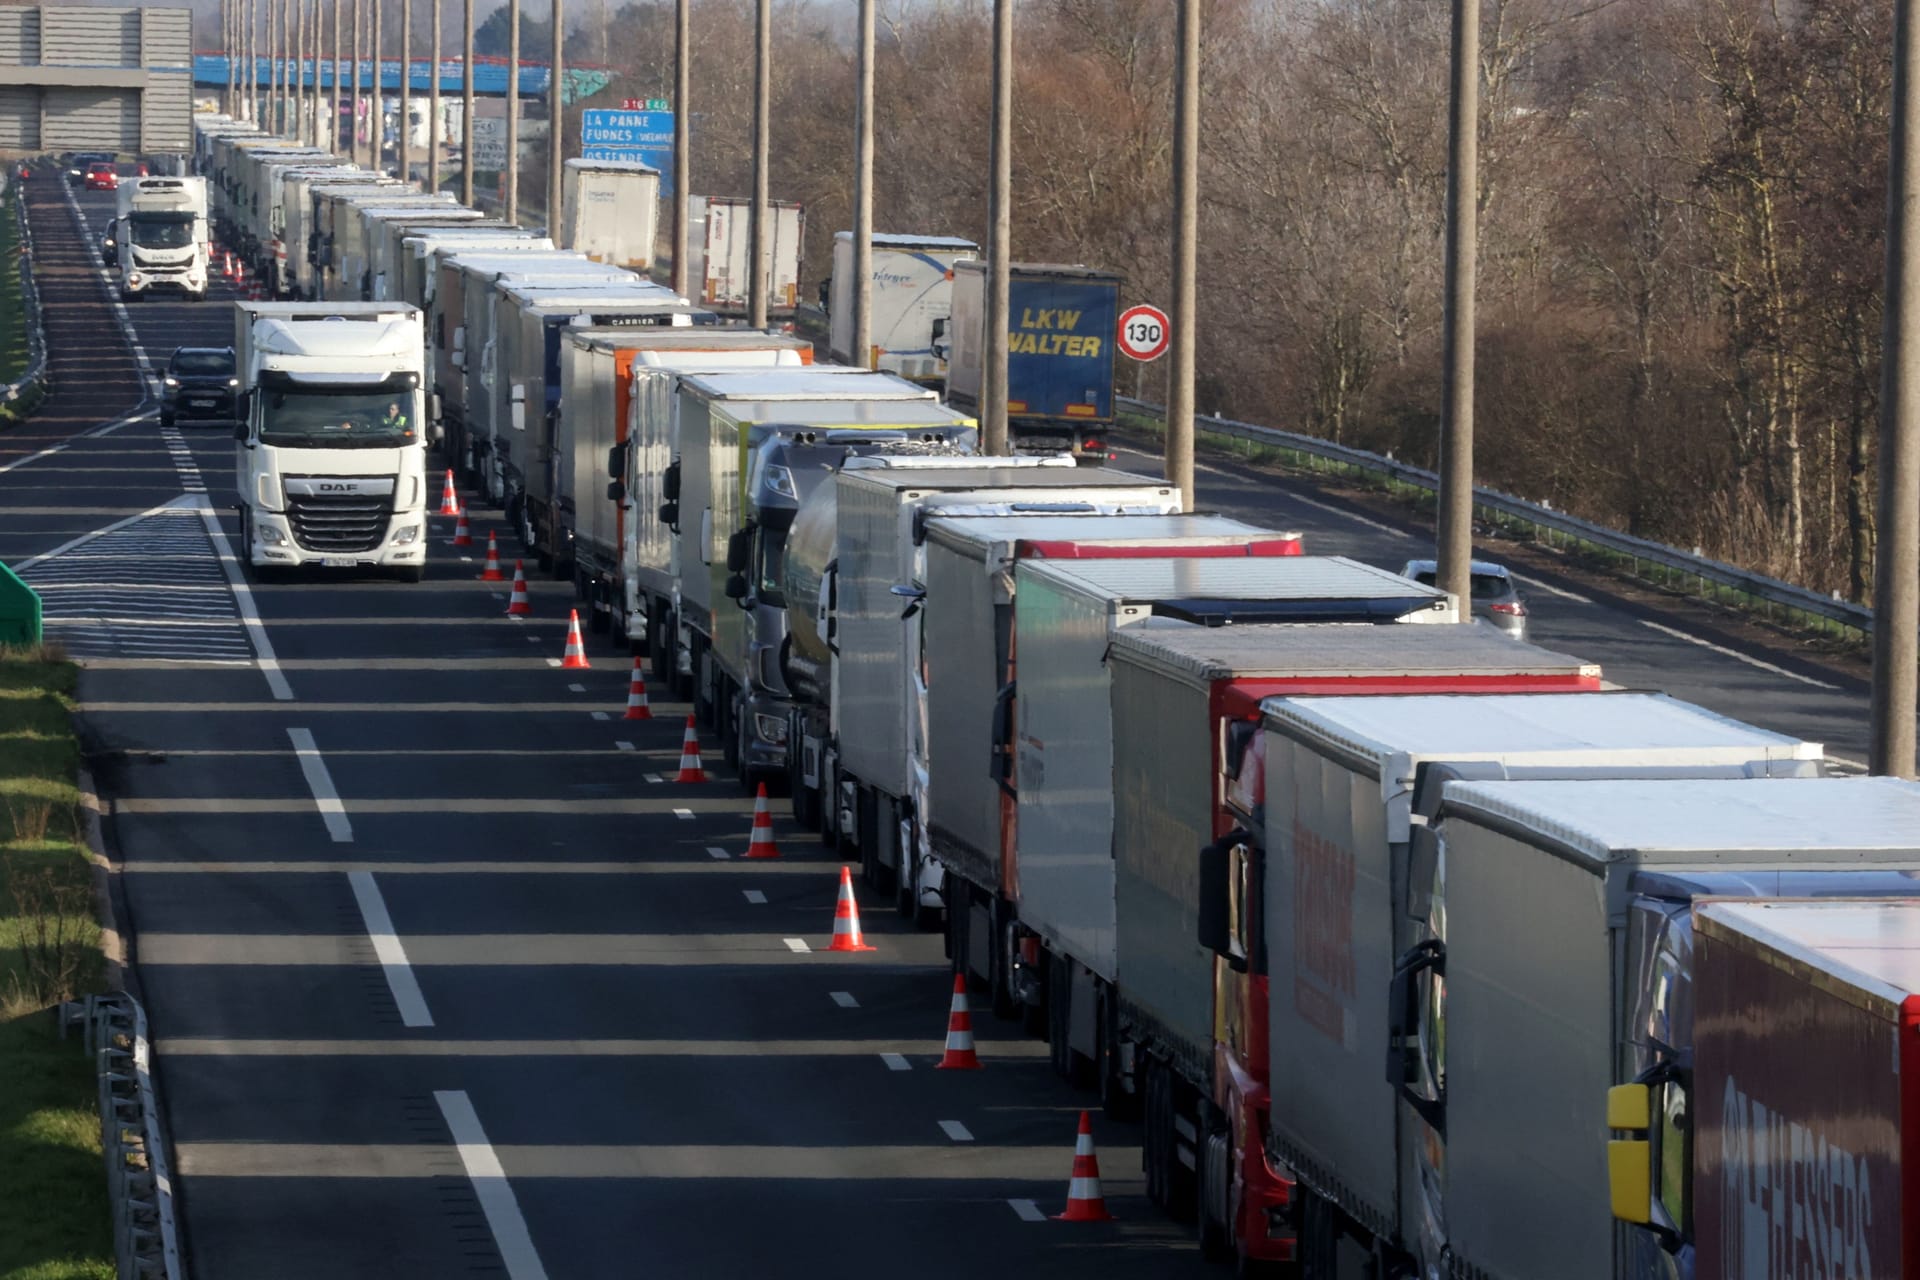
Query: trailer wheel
{"type": "Point", "coordinates": [1000, 967]}
{"type": "Point", "coordinates": [1215, 1189]}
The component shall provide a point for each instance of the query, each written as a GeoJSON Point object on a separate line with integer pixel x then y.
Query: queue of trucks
{"type": "Point", "coordinates": [1417, 949]}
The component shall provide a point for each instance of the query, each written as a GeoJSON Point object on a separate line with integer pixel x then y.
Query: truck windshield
{"type": "Point", "coordinates": [347, 417]}
{"type": "Point", "coordinates": [772, 545]}
{"type": "Point", "coordinates": [160, 230]}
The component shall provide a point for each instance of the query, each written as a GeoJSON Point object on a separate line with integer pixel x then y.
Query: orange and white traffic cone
{"type": "Point", "coordinates": [462, 533]}
{"type": "Point", "coordinates": [518, 606]}
{"type": "Point", "coordinates": [449, 500]}
{"type": "Point", "coordinates": [637, 708]}
{"type": "Point", "coordinates": [760, 844]}
{"type": "Point", "coordinates": [575, 657]}
{"type": "Point", "coordinates": [491, 571]}
{"type": "Point", "coordinates": [959, 1055]}
{"type": "Point", "coordinates": [691, 769]}
{"type": "Point", "coordinates": [1085, 1203]}
{"type": "Point", "coordinates": [846, 918]}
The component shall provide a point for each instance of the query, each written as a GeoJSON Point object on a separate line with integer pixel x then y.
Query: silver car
{"type": "Point", "coordinates": [1495, 598]}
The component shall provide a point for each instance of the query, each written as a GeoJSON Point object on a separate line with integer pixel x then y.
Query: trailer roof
{"type": "Point", "coordinates": [1279, 651]}
{"type": "Point", "coordinates": [1294, 578]}
{"type": "Point", "coordinates": [957, 475]}
{"type": "Point", "coordinates": [816, 382]}
{"type": "Point", "coordinates": [612, 166]}
{"type": "Point", "coordinates": [882, 240]}
{"type": "Point", "coordinates": [1709, 818]}
{"type": "Point", "coordinates": [1870, 945]}
{"type": "Point", "coordinates": [994, 534]}
{"type": "Point", "coordinates": [700, 338]}
{"type": "Point", "coordinates": [858, 413]}
{"type": "Point", "coordinates": [616, 297]}
{"type": "Point", "coordinates": [1623, 730]}
{"type": "Point", "coordinates": [1074, 271]}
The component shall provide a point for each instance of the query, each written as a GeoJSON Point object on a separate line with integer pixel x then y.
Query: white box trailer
{"type": "Point", "coordinates": [367, 260]}
{"type": "Point", "coordinates": [527, 329]}
{"type": "Point", "coordinates": [911, 297]}
{"type": "Point", "coordinates": [391, 254]}
{"type": "Point", "coordinates": [970, 582]}
{"type": "Point", "coordinates": [461, 278]}
{"type": "Point", "coordinates": [1065, 617]}
{"type": "Point", "coordinates": [1348, 781]}
{"type": "Point", "coordinates": [1536, 892]}
{"type": "Point", "coordinates": [473, 286]}
{"type": "Point", "coordinates": [610, 211]}
{"type": "Point", "coordinates": [608, 438]}
{"type": "Point", "coordinates": [350, 273]}
{"type": "Point", "coordinates": [308, 250]}
{"type": "Point", "coordinates": [718, 246]}
{"type": "Point", "coordinates": [418, 268]}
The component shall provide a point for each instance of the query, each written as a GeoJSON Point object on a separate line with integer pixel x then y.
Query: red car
{"type": "Point", "coordinates": [101, 177]}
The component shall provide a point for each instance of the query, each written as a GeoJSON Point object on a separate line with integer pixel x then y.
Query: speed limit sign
{"type": "Point", "coordinates": [1145, 332]}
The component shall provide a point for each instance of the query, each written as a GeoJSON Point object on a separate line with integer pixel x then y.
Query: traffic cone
{"type": "Point", "coordinates": [959, 1055]}
{"type": "Point", "coordinates": [518, 606]}
{"type": "Point", "coordinates": [846, 918]}
{"type": "Point", "coordinates": [491, 571]}
{"type": "Point", "coordinates": [1084, 1201]}
{"type": "Point", "coordinates": [760, 843]}
{"type": "Point", "coordinates": [462, 533]}
{"type": "Point", "coordinates": [690, 768]}
{"type": "Point", "coordinates": [449, 501]}
{"type": "Point", "coordinates": [575, 657]}
{"type": "Point", "coordinates": [637, 708]}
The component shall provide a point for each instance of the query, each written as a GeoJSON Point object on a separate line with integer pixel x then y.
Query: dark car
{"type": "Point", "coordinates": [198, 383]}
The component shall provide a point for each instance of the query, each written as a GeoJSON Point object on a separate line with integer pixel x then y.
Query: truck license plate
{"type": "Point", "coordinates": [199, 404]}
{"type": "Point", "coordinates": [338, 562]}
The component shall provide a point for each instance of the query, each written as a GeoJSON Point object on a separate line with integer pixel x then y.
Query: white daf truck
{"type": "Point", "coordinates": [330, 461]}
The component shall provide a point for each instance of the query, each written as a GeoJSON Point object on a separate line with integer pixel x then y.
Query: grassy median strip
{"type": "Point", "coordinates": [54, 1222]}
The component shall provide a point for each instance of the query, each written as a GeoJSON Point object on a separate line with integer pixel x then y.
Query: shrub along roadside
{"type": "Point", "coordinates": [54, 1221]}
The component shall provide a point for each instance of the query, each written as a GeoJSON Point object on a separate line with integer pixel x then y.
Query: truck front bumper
{"type": "Point", "coordinates": [143, 281]}
{"type": "Point", "coordinates": [273, 543]}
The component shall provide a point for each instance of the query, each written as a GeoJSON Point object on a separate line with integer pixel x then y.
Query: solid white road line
{"type": "Point", "coordinates": [249, 611]}
{"type": "Point", "coordinates": [844, 999]}
{"type": "Point", "coordinates": [1028, 1210]}
{"type": "Point", "coordinates": [320, 782]}
{"type": "Point", "coordinates": [798, 946]}
{"type": "Point", "coordinates": [754, 896]}
{"type": "Point", "coordinates": [1562, 592]}
{"type": "Point", "coordinates": [490, 1187]}
{"type": "Point", "coordinates": [955, 1130]}
{"type": "Point", "coordinates": [1725, 652]}
{"type": "Point", "coordinates": [896, 1062]}
{"type": "Point", "coordinates": [386, 945]}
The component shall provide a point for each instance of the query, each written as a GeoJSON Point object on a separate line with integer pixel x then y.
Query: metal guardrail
{"type": "Point", "coordinates": [36, 371]}
{"type": "Point", "coordinates": [1652, 561]}
{"type": "Point", "coordinates": [146, 1243]}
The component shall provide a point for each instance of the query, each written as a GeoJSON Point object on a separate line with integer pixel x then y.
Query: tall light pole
{"type": "Point", "coordinates": [276, 66]}
{"type": "Point", "coordinates": [333, 129]}
{"type": "Point", "coordinates": [682, 49]}
{"type": "Point", "coordinates": [757, 238]}
{"type": "Point", "coordinates": [1896, 561]}
{"type": "Point", "coordinates": [353, 135]}
{"type": "Point", "coordinates": [226, 50]}
{"type": "Point", "coordinates": [993, 376]}
{"type": "Point", "coordinates": [1456, 401]}
{"type": "Point", "coordinates": [862, 281]}
{"type": "Point", "coordinates": [1186, 234]}
{"type": "Point", "coordinates": [556, 117]}
{"type": "Point", "coordinates": [433, 108]}
{"type": "Point", "coordinates": [300, 37]}
{"type": "Point", "coordinates": [466, 106]}
{"type": "Point", "coordinates": [513, 110]}
{"type": "Point", "coordinates": [377, 119]}
{"type": "Point", "coordinates": [405, 147]}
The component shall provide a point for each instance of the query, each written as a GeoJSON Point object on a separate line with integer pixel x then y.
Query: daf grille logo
{"type": "Point", "coordinates": [338, 488]}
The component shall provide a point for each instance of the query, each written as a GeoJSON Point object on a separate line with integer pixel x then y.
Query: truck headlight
{"type": "Point", "coordinates": [171, 381]}
{"type": "Point", "coordinates": [771, 729]}
{"type": "Point", "coordinates": [270, 535]}
{"type": "Point", "coordinates": [407, 536]}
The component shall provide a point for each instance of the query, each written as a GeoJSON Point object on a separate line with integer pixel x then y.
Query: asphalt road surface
{"type": "Point", "coordinates": [449, 978]}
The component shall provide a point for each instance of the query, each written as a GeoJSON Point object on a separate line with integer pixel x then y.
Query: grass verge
{"type": "Point", "coordinates": [54, 1222]}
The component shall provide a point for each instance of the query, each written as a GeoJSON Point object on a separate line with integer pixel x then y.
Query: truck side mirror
{"type": "Point", "coordinates": [616, 491]}
{"type": "Point", "coordinates": [1404, 1066]}
{"type": "Point", "coordinates": [1216, 910]}
{"type": "Point", "coordinates": [670, 483]}
{"type": "Point", "coordinates": [737, 587]}
{"type": "Point", "coordinates": [739, 554]}
{"type": "Point", "coordinates": [240, 431]}
{"type": "Point", "coordinates": [670, 515]}
{"type": "Point", "coordinates": [1000, 765]}
{"type": "Point", "coordinates": [617, 460]}
{"type": "Point", "coordinates": [1630, 1160]}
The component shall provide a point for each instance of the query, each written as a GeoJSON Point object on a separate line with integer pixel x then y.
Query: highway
{"type": "Point", "coordinates": [449, 978]}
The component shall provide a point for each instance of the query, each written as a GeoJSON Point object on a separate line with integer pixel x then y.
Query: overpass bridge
{"type": "Point", "coordinates": [210, 71]}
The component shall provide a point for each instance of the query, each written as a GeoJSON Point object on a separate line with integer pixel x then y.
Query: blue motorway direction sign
{"type": "Point", "coordinates": [645, 136]}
